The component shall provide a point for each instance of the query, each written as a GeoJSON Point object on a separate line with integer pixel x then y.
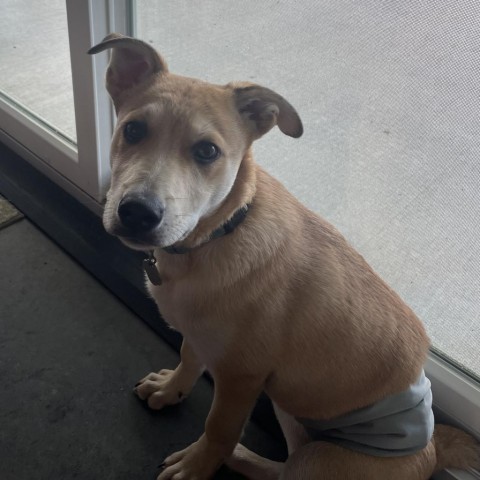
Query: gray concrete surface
{"type": "Point", "coordinates": [70, 354]}
{"type": "Point", "coordinates": [388, 92]}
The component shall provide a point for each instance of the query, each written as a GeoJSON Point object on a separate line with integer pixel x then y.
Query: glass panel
{"type": "Point", "coordinates": [388, 92]}
{"type": "Point", "coordinates": [35, 62]}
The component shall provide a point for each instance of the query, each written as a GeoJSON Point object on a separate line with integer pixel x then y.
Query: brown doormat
{"type": "Point", "coordinates": [8, 213]}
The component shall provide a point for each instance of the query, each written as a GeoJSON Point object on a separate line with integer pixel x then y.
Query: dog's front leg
{"type": "Point", "coordinates": [233, 401]}
{"type": "Point", "coordinates": [169, 387]}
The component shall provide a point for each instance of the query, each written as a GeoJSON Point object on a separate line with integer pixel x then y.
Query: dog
{"type": "Point", "coordinates": [268, 296]}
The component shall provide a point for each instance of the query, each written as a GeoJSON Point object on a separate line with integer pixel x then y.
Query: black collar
{"type": "Point", "coordinates": [225, 229]}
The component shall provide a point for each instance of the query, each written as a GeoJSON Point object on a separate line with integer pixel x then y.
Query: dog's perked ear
{"type": "Point", "coordinates": [132, 62]}
{"type": "Point", "coordinates": [262, 109]}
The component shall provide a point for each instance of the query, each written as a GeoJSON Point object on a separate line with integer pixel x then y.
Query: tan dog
{"type": "Point", "coordinates": [274, 300]}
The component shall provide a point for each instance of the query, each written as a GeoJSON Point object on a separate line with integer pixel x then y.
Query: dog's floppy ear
{"type": "Point", "coordinates": [262, 109]}
{"type": "Point", "coordinates": [132, 62]}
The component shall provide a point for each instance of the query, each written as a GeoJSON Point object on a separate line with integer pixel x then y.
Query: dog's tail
{"type": "Point", "coordinates": [455, 449]}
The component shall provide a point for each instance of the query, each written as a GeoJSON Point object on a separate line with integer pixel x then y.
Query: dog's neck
{"type": "Point", "coordinates": [241, 194]}
{"type": "Point", "coordinates": [225, 229]}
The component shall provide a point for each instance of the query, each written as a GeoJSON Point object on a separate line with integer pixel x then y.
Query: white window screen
{"type": "Point", "coordinates": [390, 99]}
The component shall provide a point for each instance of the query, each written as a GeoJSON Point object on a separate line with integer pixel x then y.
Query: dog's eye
{"type": "Point", "coordinates": [205, 152]}
{"type": "Point", "coordinates": [134, 131]}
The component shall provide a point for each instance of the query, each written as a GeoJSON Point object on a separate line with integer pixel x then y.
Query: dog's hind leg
{"type": "Point", "coordinates": [253, 466]}
{"type": "Point", "coordinates": [294, 432]}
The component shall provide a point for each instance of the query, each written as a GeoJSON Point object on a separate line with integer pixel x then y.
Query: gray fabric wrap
{"type": "Point", "coordinates": [398, 425]}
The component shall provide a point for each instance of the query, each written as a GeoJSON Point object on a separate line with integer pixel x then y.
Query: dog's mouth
{"type": "Point", "coordinates": [137, 243]}
{"type": "Point", "coordinates": [146, 241]}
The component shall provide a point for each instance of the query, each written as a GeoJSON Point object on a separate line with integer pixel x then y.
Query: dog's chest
{"type": "Point", "coordinates": [175, 304]}
{"type": "Point", "coordinates": [200, 322]}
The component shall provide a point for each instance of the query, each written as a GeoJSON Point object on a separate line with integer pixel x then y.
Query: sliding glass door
{"type": "Point", "coordinates": [35, 70]}
{"type": "Point", "coordinates": [54, 109]}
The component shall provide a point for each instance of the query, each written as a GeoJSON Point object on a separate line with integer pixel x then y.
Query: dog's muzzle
{"type": "Point", "coordinates": [140, 213]}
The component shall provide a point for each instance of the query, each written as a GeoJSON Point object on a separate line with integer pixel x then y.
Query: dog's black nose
{"type": "Point", "coordinates": [140, 213]}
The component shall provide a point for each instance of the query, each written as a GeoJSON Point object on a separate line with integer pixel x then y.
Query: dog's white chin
{"type": "Point", "coordinates": [140, 246]}
{"type": "Point", "coordinates": [152, 244]}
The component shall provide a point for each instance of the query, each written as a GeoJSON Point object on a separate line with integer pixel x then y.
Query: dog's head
{"type": "Point", "coordinates": [178, 143]}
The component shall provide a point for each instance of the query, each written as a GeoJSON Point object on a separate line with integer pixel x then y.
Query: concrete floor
{"type": "Point", "coordinates": [70, 354]}
{"type": "Point", "coordinates": [388, 92]}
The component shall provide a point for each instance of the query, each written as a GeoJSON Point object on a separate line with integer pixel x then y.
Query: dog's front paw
{"type": "Point", "coordinates": [162, 389]}
{"type": "Point", "coordinates": [199, 461]}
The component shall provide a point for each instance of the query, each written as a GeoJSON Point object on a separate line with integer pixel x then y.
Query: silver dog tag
{"type": "Point", "coordinates": [149, 265]}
